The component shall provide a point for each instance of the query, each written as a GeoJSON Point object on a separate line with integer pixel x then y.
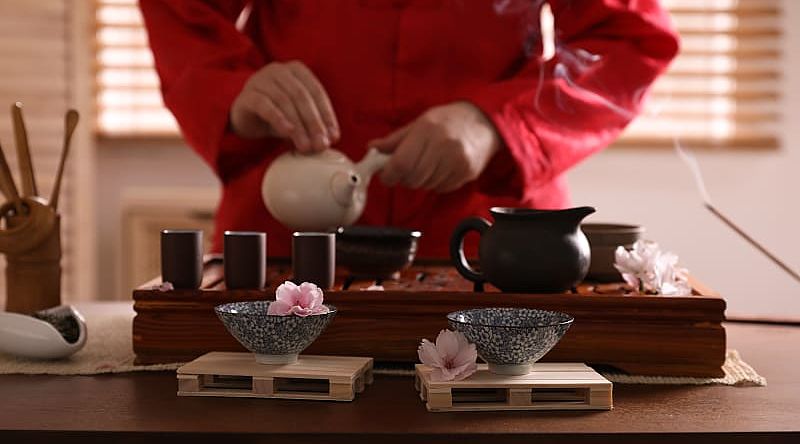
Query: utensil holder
{"type": "Point", "coordinates": [33, 276]}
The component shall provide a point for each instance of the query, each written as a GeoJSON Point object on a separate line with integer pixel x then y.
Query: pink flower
{"type": "Point", "coordinates": [302, 300]}
{"type": "Point", "coordinates": [452, 358]}
{"type": "Point", "coordinates": [164, 286]}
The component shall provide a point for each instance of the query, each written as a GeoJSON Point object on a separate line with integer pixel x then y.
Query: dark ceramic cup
{"type": "Point", "coordinates": [182, 258]}
{"type": "Point", "coordinates": [526, 250]}
{"type": "Point", "coordinates": [314, 258]}
{"type": "Point", "coordinates": [245, 259]}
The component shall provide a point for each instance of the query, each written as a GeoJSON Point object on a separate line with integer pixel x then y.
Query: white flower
{"type": "Point", "coordinates": [649, 270]}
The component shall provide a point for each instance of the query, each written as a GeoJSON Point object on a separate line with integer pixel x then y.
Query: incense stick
{"type": "Point", "coordinates": [752, 241]}
{"type": "Point", "coordinates": [694, 167]}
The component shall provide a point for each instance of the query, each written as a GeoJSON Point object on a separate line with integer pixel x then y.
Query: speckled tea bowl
{"type": "Point", "coordinates": [274, 339]}
{"type": "Point", "coordinates": [510, 340]}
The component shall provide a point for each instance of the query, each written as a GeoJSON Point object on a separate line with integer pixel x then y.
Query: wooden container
{"type": "Point", "coordinates": [647, 335]}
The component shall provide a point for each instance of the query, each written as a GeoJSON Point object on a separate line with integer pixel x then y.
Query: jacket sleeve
{"type": "Point", "coordinates": [203, 62]}
{"type": "Point", "coordinates": [552, 115]}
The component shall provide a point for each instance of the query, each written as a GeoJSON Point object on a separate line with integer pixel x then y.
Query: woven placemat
{"type": "Point", "coordinates": [737, 373]}
{"type": "Point", "coordinates": [109, 349]}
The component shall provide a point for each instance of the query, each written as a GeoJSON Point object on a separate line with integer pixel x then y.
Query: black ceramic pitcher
{"type": "Point", "coordinates": [525, 250]}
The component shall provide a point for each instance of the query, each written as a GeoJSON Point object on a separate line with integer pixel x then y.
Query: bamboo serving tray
{"type": "Point", "coordinates": [645, 335]}
{"type": "Point", "coordinates": [238, 375]}
{"type": "Point", "coordinates": [550, 386]}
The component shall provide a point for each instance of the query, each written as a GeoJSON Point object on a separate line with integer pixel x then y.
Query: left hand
{"type": "Point", "coordinates": [441, 150]}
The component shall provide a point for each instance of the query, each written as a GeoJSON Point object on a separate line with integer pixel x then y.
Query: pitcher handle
{"type": "Point", "coordinates": [478, 224]}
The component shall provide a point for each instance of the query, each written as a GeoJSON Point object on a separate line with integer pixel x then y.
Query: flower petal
{"type": "Point", "coordinates": [310, 295]}
{"type": "Point", "coordinates": [437, 375]}
{"type": "Point", "coordinates": [466, 355]}
{"type": "Point", "coordinates": [320, 310]}
{"type": "Point", "coordinates": [465, 371]}
{"type": "Point", "coordinates": [287, 292]}
{"type": "Point", "coordinates": [447, 345]}
{"type": "Point", "coordinates": [301, 311]}
{"type": "Point", "coordinates": [428, 354]}
{"type": "Point", "coordinates": [280, 308]}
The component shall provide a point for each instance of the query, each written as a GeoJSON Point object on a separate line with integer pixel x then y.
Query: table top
{"type": "Point", "coordinates": [144, 406]}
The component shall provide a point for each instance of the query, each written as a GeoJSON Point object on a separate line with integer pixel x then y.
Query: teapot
{"type": "Point", "coordinates": [321, 191]}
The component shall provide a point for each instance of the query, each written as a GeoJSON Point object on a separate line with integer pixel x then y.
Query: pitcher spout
{"type": "Point", "coordinates": [579, 213]}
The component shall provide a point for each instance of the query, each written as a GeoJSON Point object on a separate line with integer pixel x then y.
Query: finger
{"type": "Point", "coordinates": [439, 175]}
{"type": "Point", "coordinates": [264, 108]}
{"type": "Point", "coordinates": [402, 164]}
{"type": "Point", "coordinates": [389, 143]}
{"type": "Point", "coordinates": [307, 109]}
{"type": "Point", "coordinates": [285, 104]}
{"type": "Point", "coordinates": [451, 182]}
{"type": "Point", "coordinates": [429, 161]}
{"type": "Point", "coordinates": [320, 97]}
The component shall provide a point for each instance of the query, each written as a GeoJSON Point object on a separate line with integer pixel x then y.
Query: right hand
{"type": "Point", "coordinates": [286, 100]}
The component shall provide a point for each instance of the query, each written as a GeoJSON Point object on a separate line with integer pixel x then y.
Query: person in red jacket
{"type": "Point", "coordinates": [461, 93]}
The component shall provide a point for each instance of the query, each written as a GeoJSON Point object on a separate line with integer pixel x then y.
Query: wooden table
{"type": "Point", "coordinates": [143, 406]}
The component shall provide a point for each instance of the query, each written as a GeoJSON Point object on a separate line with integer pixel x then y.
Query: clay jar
{"type": "Point", "coordinates": [526, 250]}
{"type": "Point", "coordinates": [604, 240]}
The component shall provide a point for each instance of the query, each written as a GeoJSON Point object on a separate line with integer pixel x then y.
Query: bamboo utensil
{"type": "Point", "coordinates": [70, 122]}
{"type": "Point", "coordinates": [23, 152]}
{"type": "Point", "coordinates": [7, 183]}
{"type": "Point", "coordinates": [31, 237]}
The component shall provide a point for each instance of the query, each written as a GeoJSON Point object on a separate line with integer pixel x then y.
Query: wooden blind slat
{"type": "Point", "coordinates": [722, 88]}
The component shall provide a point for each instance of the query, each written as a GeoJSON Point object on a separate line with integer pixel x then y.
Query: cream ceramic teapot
{"type": "Point", "coordinates": [319, 192]}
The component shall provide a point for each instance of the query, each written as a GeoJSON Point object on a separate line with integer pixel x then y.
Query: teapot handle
{"type": "Point", "coordinates": [478, 224]}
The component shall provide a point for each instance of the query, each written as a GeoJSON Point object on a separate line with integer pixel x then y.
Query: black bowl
{"type": "Point", "coordinates": [375, 252]}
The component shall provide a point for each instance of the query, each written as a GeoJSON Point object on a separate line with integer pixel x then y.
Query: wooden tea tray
{"type": "Point", "coordinates": [550, 386]}
{"type": "Point", "coordinates": [647, 335]}
{"type": "Point", "coordinates": [238, 375]}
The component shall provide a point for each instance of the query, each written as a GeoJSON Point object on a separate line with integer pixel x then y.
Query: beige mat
{"type": "Point", "coordinates": [108, 350]}
{"type": "Point", "coordinates": [737, 373]}
{"type": "Point", "coordinates": [108, 347]}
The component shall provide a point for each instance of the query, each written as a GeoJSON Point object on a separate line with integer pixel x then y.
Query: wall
{"type": "Point", "coordinates": [647, 186]}
{"type": "Point", "coordinates": [758, 190]}
{"type": "Point", "coordinates": [126, 166]}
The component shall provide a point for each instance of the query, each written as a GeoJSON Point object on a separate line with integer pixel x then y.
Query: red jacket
{"type": "Point", "coordinates": [384, 62]}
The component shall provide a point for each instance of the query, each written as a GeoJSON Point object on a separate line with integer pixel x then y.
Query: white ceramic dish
{"type": "Point", "coordinates": [29, 337]}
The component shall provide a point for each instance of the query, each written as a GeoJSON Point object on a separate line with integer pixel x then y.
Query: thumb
{"type": "Point", "coordinates": [389, 144]}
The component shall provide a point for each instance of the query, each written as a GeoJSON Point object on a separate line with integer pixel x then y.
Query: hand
{"type": "Point", "coordinates": [286, 100]}
{"type": "Point", "coordinates": [441, 150]}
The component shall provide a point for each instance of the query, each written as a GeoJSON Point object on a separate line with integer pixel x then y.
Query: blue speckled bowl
{"type": "Point", "coordinates": [510, 340]}
{"type": "Point", "coordinates": [274, 339]}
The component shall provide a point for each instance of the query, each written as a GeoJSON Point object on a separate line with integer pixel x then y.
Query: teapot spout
{"type": "Point", "coordinates": [343, 187]}
{"type": "Point", "coordinates": [373, 161]}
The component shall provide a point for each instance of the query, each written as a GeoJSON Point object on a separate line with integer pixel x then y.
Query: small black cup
{"type": "Point", "coordinates": [314, 258]}
{"type": "Point", "coordinates": [245, 259]}
{"type": "Point", "coordinates": [182, 258]}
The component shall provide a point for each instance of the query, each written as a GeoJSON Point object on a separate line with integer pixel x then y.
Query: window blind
{"type": "Point", "coordinates": [722, 90]}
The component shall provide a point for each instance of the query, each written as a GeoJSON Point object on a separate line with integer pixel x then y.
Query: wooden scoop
{"type": "Point", "coordinates": [70, 122]}
{"type": "Point", "coordinates": [23, 152]}
{"type": "Point", "coordinates": [7, 183]}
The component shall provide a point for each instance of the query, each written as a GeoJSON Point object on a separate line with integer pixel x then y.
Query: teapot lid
{"type": "Point", "coordinates": [328, 156]}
